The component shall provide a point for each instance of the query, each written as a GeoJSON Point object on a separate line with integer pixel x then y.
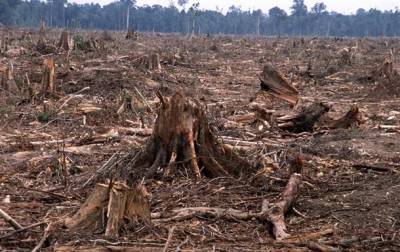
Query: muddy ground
{"type": "Point", "coordinates": [44, 162]}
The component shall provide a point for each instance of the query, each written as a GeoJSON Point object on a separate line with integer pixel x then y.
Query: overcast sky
{"type": "Point", "coordinates": [342, 6]}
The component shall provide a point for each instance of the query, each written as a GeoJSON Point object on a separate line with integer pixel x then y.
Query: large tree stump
{"type": "Point", "coordinates": [48, 75]}
{"type": "Point", "coordinates": [108, 207]}
{"type": "Point", "coordinates": [183, 139]}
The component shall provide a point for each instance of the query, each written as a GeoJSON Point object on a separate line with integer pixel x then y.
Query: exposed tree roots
{"type": "Point", "coordinates": [183, 139]}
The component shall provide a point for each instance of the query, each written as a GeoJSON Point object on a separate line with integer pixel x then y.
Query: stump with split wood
{"type": "Point", "coordinates": [109, 207]}
{"type": "Point", "coordinates": [276, 85]}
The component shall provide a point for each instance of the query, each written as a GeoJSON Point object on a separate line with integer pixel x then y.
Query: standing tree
{"type": "Point", "coordinates": [299, 16]}
{"type": "Point", "coordinates": [277, 17]}
{"type": "Point", "coordinates": [194, 13]}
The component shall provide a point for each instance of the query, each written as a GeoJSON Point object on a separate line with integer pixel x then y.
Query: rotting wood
{"type": "Point", "coordinates": [275, 84]}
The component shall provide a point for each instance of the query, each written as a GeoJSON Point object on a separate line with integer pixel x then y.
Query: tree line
{"type": "Point", "coordinates": [184, 18]}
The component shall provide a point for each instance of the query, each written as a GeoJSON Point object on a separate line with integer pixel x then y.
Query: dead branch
{"type": "Point", "coordinates": [275, 215]}
{"type": "Point", "coordinates": [22, 230]}
{"type": "Point", "coordinates": [10, 220]}
{"type": "Point", "coordinates": [43, 240]}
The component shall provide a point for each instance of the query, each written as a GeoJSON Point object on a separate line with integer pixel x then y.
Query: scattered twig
{"type": "Point", "coordinates": [22, 230]}
{"type": "Point", "coordinates": [44, 238]}
{"type": "Point", "coordinates": [10, 220]}
{"type": "Point", "coordinates": [171, 233]}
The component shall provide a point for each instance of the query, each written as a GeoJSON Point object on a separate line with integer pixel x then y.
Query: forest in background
{"type": "Point", "coordinates": [181, 17]}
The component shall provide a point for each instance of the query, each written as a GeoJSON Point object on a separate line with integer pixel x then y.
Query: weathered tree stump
{"type": "Point", "coordinates": [48, 75]}
{"type": "Point", "coordinates": [66, 42]}
{"type": "Point", "coordinates": [352, 118]}
{"type": "Point", "coordinates": [183, 139]}
{"type": "Point", "coordinates": [276, 85]}
{"type": "Point", "coordinates": [108, 207]}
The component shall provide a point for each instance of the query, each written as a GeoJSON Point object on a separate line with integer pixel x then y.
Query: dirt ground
{"type": "Point", "coordinates": [351, 185]}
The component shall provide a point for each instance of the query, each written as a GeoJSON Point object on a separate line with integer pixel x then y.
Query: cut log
{"type": "Point", "coordinates": [275, 84]}
{"type": "Point", "coordinates": [305, 119]}
{"type": "Point", "coordinates": [108, 206]}
{"type": "Point", "coordinates": [66, 42]}
{"type": "Point", "coordinates": [48, 74]}
{"type": "Point", "coordinates": [351, 118]}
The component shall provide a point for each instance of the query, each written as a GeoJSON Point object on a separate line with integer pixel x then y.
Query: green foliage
{"type": "Point", "coordinates": [78, 42]}
{"type": "Point", "coordinates": [43, 117]}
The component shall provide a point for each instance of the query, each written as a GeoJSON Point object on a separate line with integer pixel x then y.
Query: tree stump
{"type": "Point", "coordinates": [276, 85]}
{"type": "Point", "coordinates": [48, 75]}
{"type": "Point", "coordinates": [352, 118]}
{"type": "Point", "coordinates": [109, 206]}
{"type": "Point", "coordinates": [66, 42]}
{"type": "Point", "coordinates": [131, 34]}
{"type": "Point", "coordinates": [305, 119]}
{"type": "Point", "coordinates": [154, 62]}
{"type": "Point", "coordinates": [183, 139]}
